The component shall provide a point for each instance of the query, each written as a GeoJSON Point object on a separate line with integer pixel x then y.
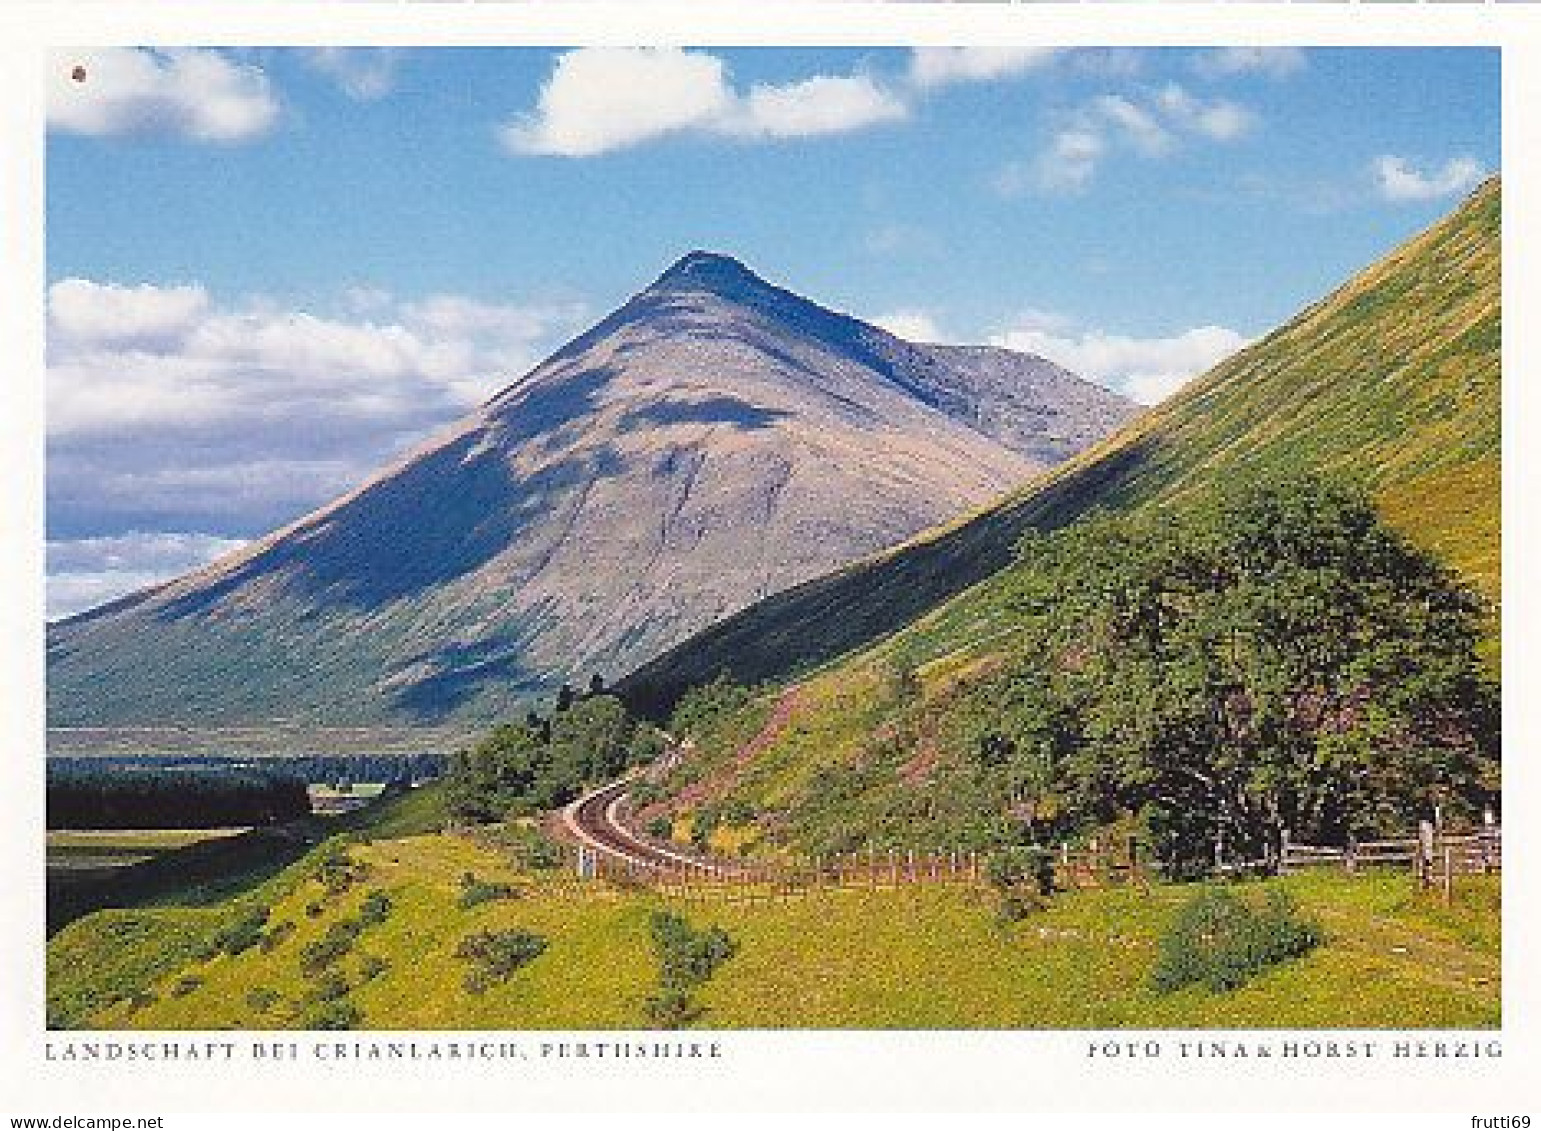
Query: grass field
{"type": "Point", "coordinates": [907, 958]}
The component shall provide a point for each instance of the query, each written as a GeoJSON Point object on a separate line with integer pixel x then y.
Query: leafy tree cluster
{"type": "Point", "coordinates": [101, 798]}
{"type": "Point", "coordinates": [542, 763]}
{"type": "Point", "coordinates": [706, 707]}
{"type": "Point", "coordinates": [1271, 659]}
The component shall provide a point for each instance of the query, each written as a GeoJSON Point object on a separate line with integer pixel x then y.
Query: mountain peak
{"type": "Point", "coordinates": [711, 271]}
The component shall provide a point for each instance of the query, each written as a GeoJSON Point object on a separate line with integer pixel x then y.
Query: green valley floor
{"type": "Point", "coordinates": [926, 957]}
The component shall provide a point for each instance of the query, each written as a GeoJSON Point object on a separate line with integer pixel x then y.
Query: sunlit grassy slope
{"type": "Point", "coordinates": [912, 958]}
{"type": "Point", "coordinates": [1392, 381]}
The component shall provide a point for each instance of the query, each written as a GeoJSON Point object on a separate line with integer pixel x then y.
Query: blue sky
{"type": "Point", "coordinates": [272, 270]}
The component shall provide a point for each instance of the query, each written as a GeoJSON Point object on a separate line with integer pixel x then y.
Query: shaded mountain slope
{"type": "Point", "coordinates": [1393, 381]}
{"type": "Point", "coordinates": [711, 442]}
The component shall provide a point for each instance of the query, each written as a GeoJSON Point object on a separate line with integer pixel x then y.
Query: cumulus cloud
{"type": "Point", "coordinates": [169, 410]}
{"type": "Point", "coordinates": [932, 67]}
{"type": "Point", "coordinates": [1273, 62]}
{"type": "Point", "coordinates": [1153, 124]}
{"type": "Point", "coordinates": [1147, 369]}
{"type": "Point", "coordinates": [1398, 179]}
{"type": "Point", "coordinates": [197, 94]}
{"type": "Point", "coordinates": [599, 100]}
{"type": "Point", "coordinates": [362, 73]}
{"type": "Point", "coordinates": [85, 572]}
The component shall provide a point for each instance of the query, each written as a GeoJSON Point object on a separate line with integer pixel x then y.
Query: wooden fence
{"type": "Point", "coordinates": [1434, 857]}
{"type": "Point", "coordinates": [575, 869]}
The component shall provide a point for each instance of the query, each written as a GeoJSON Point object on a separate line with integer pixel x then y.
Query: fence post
{"type": "Point", "coordinates": [1284, 851]}
{"type": "Point", "coordinates": [1349, 861]}
{"type": "Point", "coordinates": [1447, 873]}
{"type": "Point", "coordinates": [1425, 853]}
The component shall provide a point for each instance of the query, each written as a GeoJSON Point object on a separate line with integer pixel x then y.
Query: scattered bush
{"type": "Point", "coordinates": [496, 955]}
{"type": "Point", "coordinates": [474, 891]}
{"type": "Point", "coordinates": [276, 936]}
{"type": "Point", "coordinates": [660, 828]}
{"type": "Point", "coordinates": [371, 966]}
{"type": "Point", "coordinates": [322, 952]}
{"type": "Point", "coordinates": [375, 908]}
{"type": "Point", "coordinates": [670, 1009]}
{"type": "Point", "coordinates": [339, 1013]}
{"type": "Point", "coordinates": [185, 985]}
{"type": "Point", "coordinates": [1023, 878]}
{"type": "Point", "coordinates": [243, 934]}
{"type": "Point", "coordinates": [329, 987]}
{"type": "Point", "coordinates": [1220, 940]}
{"type": "Point", "coordinates": [260, 999]}
{"type": "Point", "coordinates": [646, 793]}
{"type": "Point", "coordinates": [315, 909]}
{"type": "Point", "coordinates": [139, 999]}
{"type": "Point", "coordinates": [687, 957]}
{"type": "Point", "coordinates": [337, 871]}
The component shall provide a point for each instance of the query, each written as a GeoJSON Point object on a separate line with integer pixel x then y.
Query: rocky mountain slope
{"type": "Point", "coordinates": [714, 441]}
{"type": "Point", "coordinates": [1392, 381]}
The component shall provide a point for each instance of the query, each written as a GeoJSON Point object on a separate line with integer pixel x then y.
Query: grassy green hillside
{"type": "Point", "coordinates": [916, 957]}
{"type": "Point", "coordinates": [1392, 381]}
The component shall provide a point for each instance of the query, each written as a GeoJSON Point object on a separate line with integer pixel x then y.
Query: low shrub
{"type": "Point", "coordinates": [338, 940]}
{"type": "Point", "coordinates": [371, 966]}
{"type": "Point", "coordinates": [338, 872]}
{"type": "Point", "coordinates": [1220, 940]}
{"type": "Point", "coordinates": [646, 793]}
{"type": "Point", "coordinates": [329, 987]}
{"type": "Point", "coordinates": [185, 985]}
{"type": "Point", "coordinates": [260, 999]}
{"type": "Point", "coordinates": [243, 934]}
{"type": "Point", "coordinates": [670, 1009]}
{"type": "Point", "coordinates": [687, 956]}
{"type": "Point", "coordinates": [140, 999]}
{"type": "Point", "coordinates": [496, 955]}
{"type": "Point", "coordinates": [338, 1013]}
{"type": "Point", "coordinates": [375, 908]}
{"type": "Point", "coordinates": [474, 891]}
{"type": "Point", "coordinates": [276, 936]}
{"type": "Point", "coordinates": [1023, 879]}
{"type": "Point", "coordinates": [660, 828]}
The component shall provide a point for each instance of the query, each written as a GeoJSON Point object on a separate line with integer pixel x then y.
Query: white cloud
{"type": "Point", "coordinates": [86, 313]}
{"type": "Point", "coordinates": [911, 325]}
{"type": "Point", "coordinates": [1140, 126]}
{"type": "Point", "coordinates": [197, 94]}
{"type": "Point", "coordinates": [165, 405]}
{"type": "Point", "coordinates": [1397, 178]}
{"type": "Point", "coordinates": [85, 572]}
{"type": "Point", "coordinates": [1146, 369]}
{"type": "Point", "coordinates": [362, 73]}
{"type": "Point", "coordinates": [1273, 62]}
{"type": "Point", "coordinates": [599, 100]}
{"type": "Point", "coordinates": [1154, 125]}
{"type": "Point", "coordinates": [1218, 120]}
{"type": "Point", "coordinates": [942, 66]}
{"type": "Point", "coordinates": [824, 104]}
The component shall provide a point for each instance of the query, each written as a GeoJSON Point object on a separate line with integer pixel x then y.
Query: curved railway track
{"type": "Point", "coordinates": [593, 821]}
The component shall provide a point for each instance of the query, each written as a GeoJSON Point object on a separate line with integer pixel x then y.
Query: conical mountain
{"type": "Point", "coordinates": [1392, 381]}
{"type": "Point", "coordinates": [715, 440]}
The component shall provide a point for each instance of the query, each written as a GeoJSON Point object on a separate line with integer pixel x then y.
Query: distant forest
{"type": "Point", "coordinates": [315, 769]}
{"type": "Point", "coordinates": [96, 798]}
